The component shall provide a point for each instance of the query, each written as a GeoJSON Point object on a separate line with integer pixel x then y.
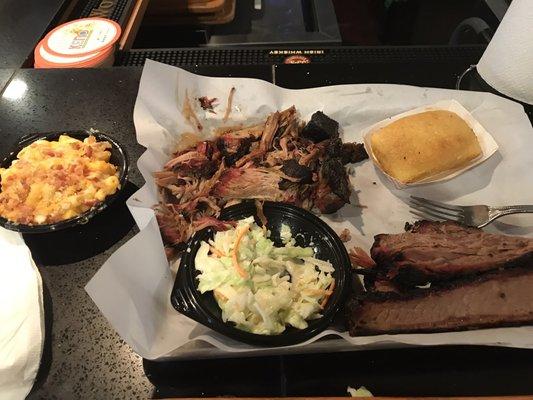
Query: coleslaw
{"type": "Point", "coordinates": [260, 287]}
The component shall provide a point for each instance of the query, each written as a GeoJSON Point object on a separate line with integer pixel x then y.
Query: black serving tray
{"type": "Point", "coordinates": [308, 230]}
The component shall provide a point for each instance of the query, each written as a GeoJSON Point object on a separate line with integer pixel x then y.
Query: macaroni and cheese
{"type": "Point", "coordinates": [51, 181]}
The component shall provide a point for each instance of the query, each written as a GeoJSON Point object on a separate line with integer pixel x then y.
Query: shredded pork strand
{"type": "Point", "coordinates": [229, 104]}
{"type": "Point", "coordinates": [261, 213]}
{"type": "Point", "coordinates": [271, 127]}
{"type": "Point", "coordinates": [360, 258]}
{"type": "Point", "coordinates": [241, 163]}
{"type": "Point", "coordinates": [190, 115]}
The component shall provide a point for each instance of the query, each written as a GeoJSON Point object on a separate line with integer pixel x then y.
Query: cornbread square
{"type": "Point", "coordinates": [423, 145]}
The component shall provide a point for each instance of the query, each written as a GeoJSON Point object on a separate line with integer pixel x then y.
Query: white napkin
{"type": "Point", "coordinates": [507, 64]}
{"type": "Point", "coordinates": [21, 317]}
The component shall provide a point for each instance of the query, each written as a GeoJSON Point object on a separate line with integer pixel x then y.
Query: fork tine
{"type": "Point", "coordinates": [421, 215]}
{"type": "Point", "coordinates": [433, 214]}
{"type": "Point", "coordinates": [437, 204]}
{"type": "Point", "coordinates": [448, 213]}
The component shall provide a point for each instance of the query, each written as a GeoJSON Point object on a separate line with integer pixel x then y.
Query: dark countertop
{"type": "Point", "coordinates": [433, 371]}
{"type": "Point", "coordinates": [22, 24]}
{"type": "Point", "coordinates": [5, 76]}
{"type": "Point", "coordinates": [85, 358]}
{"type": "Point", "coordinates": [58, 100]}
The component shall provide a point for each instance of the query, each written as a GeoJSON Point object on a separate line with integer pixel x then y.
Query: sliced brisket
{"type": "Point", "coordinates": [500, 298]}
{"type": "Point", "coordinates": [435, 251]}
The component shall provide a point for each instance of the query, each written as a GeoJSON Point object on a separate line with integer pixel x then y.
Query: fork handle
{"type": "Point", "coordinates": [506, 210]}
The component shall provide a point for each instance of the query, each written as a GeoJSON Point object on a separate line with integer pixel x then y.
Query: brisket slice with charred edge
{"type": "Point", "coordinates": [498, 298]}
{"type": "Point", "coordinates": [436, 251]}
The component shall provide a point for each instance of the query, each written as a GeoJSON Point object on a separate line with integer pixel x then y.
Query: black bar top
{"type": "Point", "coordinates": [22, 24]}
{"type": "Point", "coordinates": [85, 358]}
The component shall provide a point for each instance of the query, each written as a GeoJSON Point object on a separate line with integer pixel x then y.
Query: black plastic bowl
{"type": "Point", "coordinates": [118, 158]}
{"type": "Point", "coordinates": [308, 230]}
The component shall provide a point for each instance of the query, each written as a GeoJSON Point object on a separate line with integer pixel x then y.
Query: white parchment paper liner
{"type": "Point", "coordinates": [132, 288]}
{"type": "Point", "coordinates": [486, 141]}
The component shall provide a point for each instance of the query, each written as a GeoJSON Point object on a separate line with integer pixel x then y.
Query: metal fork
{"type": "Point", "coordinates": [477, 216]}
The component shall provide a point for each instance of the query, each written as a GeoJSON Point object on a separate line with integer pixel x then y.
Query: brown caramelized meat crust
{"type": "Point", "coordinates": [435, 251]}
{"type": "Point", "coordinates": [280, 159]}
{"type": "Point", "coordinates": [500, 298]}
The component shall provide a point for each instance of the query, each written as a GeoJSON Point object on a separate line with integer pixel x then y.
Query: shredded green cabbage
{"type": "Point", "coordinates": [271, 287]}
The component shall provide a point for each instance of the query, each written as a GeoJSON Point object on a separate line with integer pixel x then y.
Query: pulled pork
{"type": "Point", "coordinates": [281, 159]}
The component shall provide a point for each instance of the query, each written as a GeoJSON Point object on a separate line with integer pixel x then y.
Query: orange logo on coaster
{"type": "Point", "coordinates": [297, 59]}
{"type": "Point", "coordinates": [81, 39]}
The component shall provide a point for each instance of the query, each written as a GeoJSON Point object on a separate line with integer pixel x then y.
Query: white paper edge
{"type": "Point", "coordinates": [514, 337]}
{"type": "Point", "coordinates": [486, 141]}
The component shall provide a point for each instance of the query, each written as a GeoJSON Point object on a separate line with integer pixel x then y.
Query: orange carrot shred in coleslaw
{"type": "Point", "coordinates": [234, 257]}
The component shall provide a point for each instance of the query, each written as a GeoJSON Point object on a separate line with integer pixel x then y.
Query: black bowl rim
{"type": "Point", "coordinates": [185, 296]}
{"type": "Point", "coordinates": [86, 216]}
